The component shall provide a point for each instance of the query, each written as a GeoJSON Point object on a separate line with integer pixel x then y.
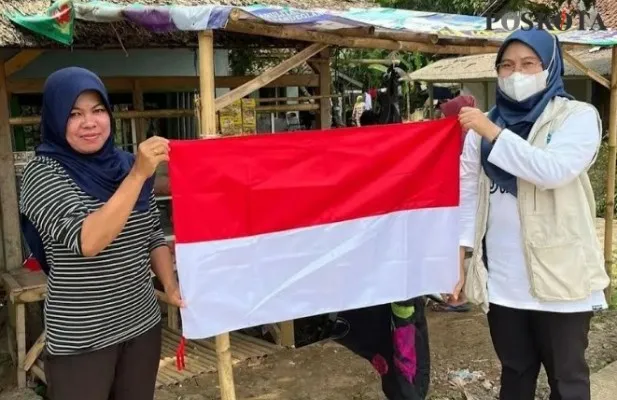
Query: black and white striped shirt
{"type": "Point", "coordinates": [92, 302]}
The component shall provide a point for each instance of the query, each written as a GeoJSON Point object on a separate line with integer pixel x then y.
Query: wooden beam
{"type": "Point", "coordinates": [288, 337]}
{"type": "Point", "coordinates": [325, 79]}
{"type": "Point", "coordinates": [370, 61]}
{"type": "Point", "coordinates": [172, 113]}
{"type": "Point", "coordinates": [34, 352]}
{"type": "Point", "coordinates": [8, 184]}
{"type": "Point", "coordinates": [610, 181]}
{"type": "Point", "coordinates": [275, 331]}
{"type": "Point", "coordinates": [287, 107]}
{"type": "Point", "coordinates": [575, 62]}
{"type": "Point", "coordinates": [295, 33]}
{"type": "Point", "coordinates": [431, 99]}
{"type": "Point", "coordinates": [20, 334]}
{"type": "Point", "coordinates": [269, 75]}
{"type": "Point", "coordinates": [38, 371]}
{"type": "Point", "coordinates": [208, 126]}
{"type": "Point", "coordinates": [169, 83]}
{"type": "Point", "coordinates": [299, 98]}
{"type": "Point", "coordinates": [206, 85]}
{"type": "Point", "coordinates": [138, 105]}
{"type": "Point", "coordinates": [20, 60]}
{"type": "Point", "coordinates": [349, 79]}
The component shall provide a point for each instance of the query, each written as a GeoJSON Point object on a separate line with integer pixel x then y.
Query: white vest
{"type": "Point", "coordinates": [562, 251]}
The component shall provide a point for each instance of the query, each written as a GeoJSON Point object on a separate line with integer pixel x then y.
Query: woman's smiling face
{"type": "Point", "coordinates": [89, 124]}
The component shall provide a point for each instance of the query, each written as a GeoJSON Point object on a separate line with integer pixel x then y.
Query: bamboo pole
{"type": "Point", "coordinates": [138, 105]}
{"type": "Point", "coordinates": [325, 81]}
{"type": "Point", "coordinates": [208, 125]}
{"type": "Point", "coordinates": [268, 76]}
{"type": "Point", "coordinates": [610, 179]}
{"type": "Point", "coordinates": [11, 229]}
{"type": "Point", "coordinates": [173, 113]}
{"type": "Point", "coordinates": [131, 114]}
{"type": "Point", "coordinates": [333, 39]}
{"type": "Point", "coordinates": [206, 85]}
{"type": "Point", "coordinates": [299, 98]}
{"type": "Point", "coordinates": [369, 61]}
{"type": "Point", "coordinates": [168, 83]}
{"type": "Point", "coordinates": [20, 61]}
{"type": "Point", "coordinates": [431, 99]}
{"type": "Point", "coordinates": [575, 62]}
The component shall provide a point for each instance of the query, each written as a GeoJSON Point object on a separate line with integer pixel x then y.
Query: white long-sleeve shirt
{"type": "Point", "coordinates": [567, 154]}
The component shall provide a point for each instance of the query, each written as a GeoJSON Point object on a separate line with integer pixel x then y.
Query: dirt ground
{"type": "Point", "coordinates": [464, 367]}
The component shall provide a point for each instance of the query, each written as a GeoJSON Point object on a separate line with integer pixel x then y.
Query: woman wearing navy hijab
{"type": "Point", "coordinates": [528, 214]}
{"type": "Point", "coordinates": [89, 217]}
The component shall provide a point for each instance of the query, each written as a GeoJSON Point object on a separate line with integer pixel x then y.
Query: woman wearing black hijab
{"type": "Point", "coordinates": [90, 219]}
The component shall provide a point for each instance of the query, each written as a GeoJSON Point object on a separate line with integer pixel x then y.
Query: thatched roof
{"type": "Point", "coordinates": [608, 11]}
{"type": "Point", "coordinates": [482, 67]}
{"type": "Point", "coordinates": [98, 35]}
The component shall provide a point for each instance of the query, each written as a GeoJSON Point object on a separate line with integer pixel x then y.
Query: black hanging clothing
{"type": "Point", "coordinates": [389, 108]}
{"type": "Point", "coordinates": [394, 339]}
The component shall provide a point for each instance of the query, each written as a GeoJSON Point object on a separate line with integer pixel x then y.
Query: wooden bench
{"type": "Point", "coordinates": [24, 286]}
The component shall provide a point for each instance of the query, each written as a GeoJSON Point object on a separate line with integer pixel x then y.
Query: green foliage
{"type": "Point", "coordinates": [469, 7]}
{"type": "Point", "coordinates": [475, 7]}
{"type": "Point", "coordinates": [597, 177]}
{"type": "Point", "coordinates": [243, 62]}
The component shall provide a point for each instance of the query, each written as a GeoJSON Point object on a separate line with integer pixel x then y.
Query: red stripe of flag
{"type": "Point", "coordinates": [244, 186]}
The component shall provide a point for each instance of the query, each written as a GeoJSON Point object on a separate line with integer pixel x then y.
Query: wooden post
{"type": "Point", "coordinates": [288, 335]}
{"type": "Point", "coordinates": [206, 85]}
{"type": "Point", "coordinates": [325, 78]}
{"type": "Point", "coordinates": [138, 105]}
{"type": "Point", "coordinates": [408, 100]}
{"type": "Point", "coordinates": [20, 333]}
{"type": "Point", "coordinates": [8, 185]}
{"type": "Point", "coordinates": [208, 126]}
{"type": "Point", "coordinates": [431, 97]}
{"type": "Point", "coordinates": [610, 180]}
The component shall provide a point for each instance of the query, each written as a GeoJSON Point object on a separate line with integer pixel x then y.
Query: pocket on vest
{"type": "Point", "coordinates": [558, 272]}
{"type": "Point", "coordinates": [476, 278]}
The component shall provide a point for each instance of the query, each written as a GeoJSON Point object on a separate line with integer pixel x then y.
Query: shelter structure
{"type": "Point", "coordinates": [311, 32]}
{"type": "Point", "coordinates": [476, 75]}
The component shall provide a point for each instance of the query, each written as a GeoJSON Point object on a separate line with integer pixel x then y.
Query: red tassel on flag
{"type": "Point", "coordinates": [180, 354]}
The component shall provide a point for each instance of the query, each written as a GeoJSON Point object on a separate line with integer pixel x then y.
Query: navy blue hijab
{"type": "Point", "coordinates": [98, 174]}
{"type": "Point", "coordinates": [519, 117]}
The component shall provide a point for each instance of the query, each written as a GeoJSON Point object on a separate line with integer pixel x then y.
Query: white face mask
{"type": "Point", "coordinates": [520, 87]}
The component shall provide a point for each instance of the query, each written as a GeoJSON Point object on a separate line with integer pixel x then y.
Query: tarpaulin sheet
{"type": "Point", "coordinates": [57, 22]}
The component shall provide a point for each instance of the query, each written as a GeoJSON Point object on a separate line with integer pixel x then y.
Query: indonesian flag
{"type": "Point", "coordinates": [272, 228]}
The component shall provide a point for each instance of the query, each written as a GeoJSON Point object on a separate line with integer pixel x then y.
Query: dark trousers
{"type": "Point", "coordinates": [126, 371]}
{"type": "Point", "coordinates": [524, 340]}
